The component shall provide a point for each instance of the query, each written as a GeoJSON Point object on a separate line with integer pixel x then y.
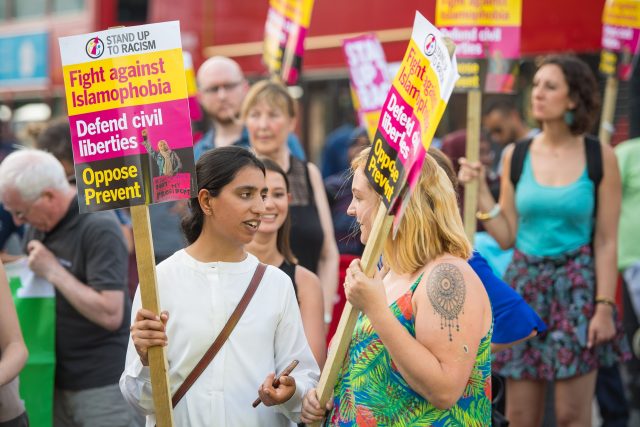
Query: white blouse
{"type": "Point", "coordinates": [200, 297]}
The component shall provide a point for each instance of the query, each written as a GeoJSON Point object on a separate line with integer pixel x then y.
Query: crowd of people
{"type": "Point", "coordinates": [272, 238]}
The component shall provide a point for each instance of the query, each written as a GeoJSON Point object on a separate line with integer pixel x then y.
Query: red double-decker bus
{"type": "Point", "coordinates": [235, 28]}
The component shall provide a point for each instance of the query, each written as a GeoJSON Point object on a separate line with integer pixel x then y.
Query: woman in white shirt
{"type": "Point", "coordinates": [199, 287]}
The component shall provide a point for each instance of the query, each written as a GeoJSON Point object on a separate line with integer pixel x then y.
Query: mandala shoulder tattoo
{"type": "Point", "coordinates": [447, 291]}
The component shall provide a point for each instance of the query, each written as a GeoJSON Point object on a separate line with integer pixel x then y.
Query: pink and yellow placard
{"type": "Point", "coordinates": [128, 110]}
{"type": "Point", "coordinates": [487, 37]}
{"type": "Point", "coordinates": [192, 87]}
{"type": "Point", "coordinates": [284, 33]}
{"type": "Point", "coordinates": [369, 80]}
{"type": "Point", "coordinates": [620, 37]}
{"type": "Point", "coordinates": [410, 115]}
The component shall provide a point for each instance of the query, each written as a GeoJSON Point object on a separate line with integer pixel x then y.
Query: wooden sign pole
{"type": "Point", "coordinates": [146, 263]}
{"type": "Point", "coordinates": [149, 294]}
{"type": "Point", "coordinates": [608, 110]}
{"type": "Point", "coordinates": [474, 101]}
{"type": "Point", "coordinates": [342, 338]}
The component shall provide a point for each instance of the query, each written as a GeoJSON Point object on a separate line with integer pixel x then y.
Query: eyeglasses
{"type": "Point", "coordinates": [226, 86]}
{"type": "Point", "coordinates": [21, 216]}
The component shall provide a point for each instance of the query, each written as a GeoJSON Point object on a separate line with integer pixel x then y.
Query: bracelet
{"type": "Point", "coordinates": [606, 301]}
{"type": "Point", "coordinates": [494, 212]}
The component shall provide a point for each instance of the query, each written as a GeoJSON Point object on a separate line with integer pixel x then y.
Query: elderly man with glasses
{"type": "Point", "coordinates": [85, 258]}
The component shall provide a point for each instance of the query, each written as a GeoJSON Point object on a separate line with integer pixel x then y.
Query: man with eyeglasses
{"type": "Point", "coordinates": [221, 90]}
{"type": "Point", "coordinates": [85, 258]}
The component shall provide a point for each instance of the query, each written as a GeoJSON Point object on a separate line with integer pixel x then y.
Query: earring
{"type": "Point", "coordinates": [569, 118]}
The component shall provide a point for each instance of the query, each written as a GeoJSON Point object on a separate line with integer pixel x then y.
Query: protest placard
{"type": "Point", "coordinates": [410, 115]}
{"type": "Point", "coordinates": [284, 33]}
{"type": "Point", "coordinates": [369, 80]}
{"type": "Point", "coordinates": [487, 37]}
{"type": "Point", "coordinates": [195, 112]}
{"type": "Point", "coordinates": [129, 116]}
{"type": "Point", "coordinates": [620, 38]}
{"type": "Point", "coordinates": [130, 124]}
{"type": "Point", "coordinates": [620, 54]}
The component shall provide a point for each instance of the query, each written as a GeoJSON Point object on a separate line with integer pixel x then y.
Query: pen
{"type": "Point", "coordinates": [276, 380]}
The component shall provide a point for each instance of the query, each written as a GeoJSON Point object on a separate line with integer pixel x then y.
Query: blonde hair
{"type": "Point", "coordinates": [431, 225]}
{"type": "Point", "coordinates": [273, 93]}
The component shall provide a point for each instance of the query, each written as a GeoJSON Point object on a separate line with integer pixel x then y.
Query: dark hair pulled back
{"type": "Point", "coordinates": [214, 170]}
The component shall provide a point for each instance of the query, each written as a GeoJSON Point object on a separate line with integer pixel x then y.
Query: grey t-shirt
{"type": "Point", "coordinates": [92, 248]}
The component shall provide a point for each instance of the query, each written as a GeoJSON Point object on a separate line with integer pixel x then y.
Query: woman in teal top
{"type": "Point", "coordinates": [564, 263]}
{"type": "Point", "coordinates": [420, 353]}
{"type": "Point", "coordinates": [564, 213]}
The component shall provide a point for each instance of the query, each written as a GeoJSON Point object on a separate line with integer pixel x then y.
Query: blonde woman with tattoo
{"type": "Point", "coordinates": [420, 353]}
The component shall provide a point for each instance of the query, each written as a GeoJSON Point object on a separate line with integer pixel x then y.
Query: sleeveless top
{"type": "Point", "coordinates": [290, 270]}
{"type": "Point", "coordinates": [306, 236]}
{"type": "Point", "coordinates": [553, 219]}
{"type": "Point", "coordinates": [371, 391]}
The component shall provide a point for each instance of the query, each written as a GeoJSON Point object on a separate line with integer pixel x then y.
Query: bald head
{"type": "Point", "coordinates": [218, 65]}
{"type": "Point", "coordinates": [221, 88]}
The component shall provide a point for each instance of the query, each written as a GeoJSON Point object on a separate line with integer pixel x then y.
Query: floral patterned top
{"type": "Point", "coordinates": [371, 392]}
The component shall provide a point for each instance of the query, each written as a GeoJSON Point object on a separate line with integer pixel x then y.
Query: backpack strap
{"type": "Point", "coordinates": [593, 152]}
{"type": "Point", "coordinates": [517, 160]}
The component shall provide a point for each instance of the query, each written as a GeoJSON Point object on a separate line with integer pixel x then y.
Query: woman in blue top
{"type": "Point", "coordinates": [565, 252]}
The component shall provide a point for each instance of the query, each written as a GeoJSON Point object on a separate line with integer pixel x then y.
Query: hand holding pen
{"type": "Point", "coordinates": [277, 390]}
